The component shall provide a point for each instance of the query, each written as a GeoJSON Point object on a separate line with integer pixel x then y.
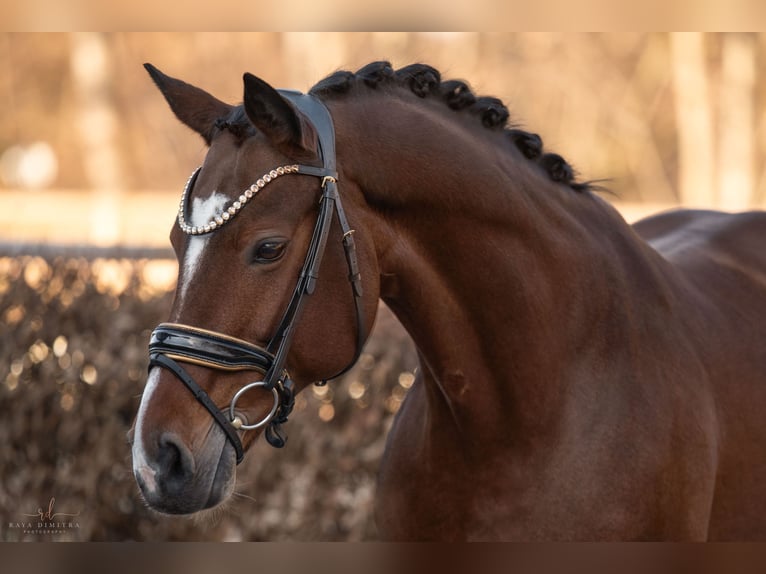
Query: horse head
{"type": "Point", "coordinates": [251, 325]}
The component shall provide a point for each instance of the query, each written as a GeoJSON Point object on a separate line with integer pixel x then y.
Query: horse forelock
{"type": "Point", "coordinates": [236, 123]}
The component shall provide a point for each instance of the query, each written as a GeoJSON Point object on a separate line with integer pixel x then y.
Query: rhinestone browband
{"type": "Point", "coordinates": [228, 214]}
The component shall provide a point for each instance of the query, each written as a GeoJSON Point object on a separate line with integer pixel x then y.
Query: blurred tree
{"type": "Point", "coordinates": [736, 142]}
{"type": "Point", "coordinates": [694, 119]}
{"type": "Point", "coordinates": [715, 119]}
{"type": "Point", "coordinates": [97, 121]}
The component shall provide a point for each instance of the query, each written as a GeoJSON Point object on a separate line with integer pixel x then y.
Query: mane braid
{"type": "Point", "coordinates": [425, 81]}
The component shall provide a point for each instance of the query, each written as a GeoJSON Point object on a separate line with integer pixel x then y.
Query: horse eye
{"type": "Point", "coordinates": [269, 251]}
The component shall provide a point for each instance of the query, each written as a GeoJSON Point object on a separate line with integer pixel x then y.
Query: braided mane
{"type": "Point", "coordinates": [425, 81]}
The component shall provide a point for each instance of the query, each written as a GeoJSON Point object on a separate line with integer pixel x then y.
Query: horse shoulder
{"type": "Point", "coordinates": [721, 258]}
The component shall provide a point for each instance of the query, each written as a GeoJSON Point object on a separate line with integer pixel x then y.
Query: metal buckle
{"type": "Point", "coordinates": [236, 421]}
{"type": "Point", "coordinates": [328, 179]}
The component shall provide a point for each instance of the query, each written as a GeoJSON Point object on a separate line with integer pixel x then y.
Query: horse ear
{"type": "Point", "coordinates": [193, 106]}
{"type": "Point", "coordinates": [274, 116]}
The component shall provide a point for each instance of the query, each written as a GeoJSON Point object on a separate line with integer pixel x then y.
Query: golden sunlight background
{"type": "Point", "coordinates": [89, 151]}
{"type": "Point", "coordinates": [92, 164]}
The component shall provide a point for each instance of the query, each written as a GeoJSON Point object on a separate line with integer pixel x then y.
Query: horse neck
{"type": "Point", "coordinates": [499, 275]}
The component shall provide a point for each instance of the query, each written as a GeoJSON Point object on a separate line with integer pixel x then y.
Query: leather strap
{"type": "Point", "coordinates": [160, 360]}
{"type": "Point", "coordinates": [330, 203]}
{"type": "Point", "coordinates": [208, 348]}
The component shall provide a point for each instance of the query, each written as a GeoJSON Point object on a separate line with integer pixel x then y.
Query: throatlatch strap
{"type": "Point", "coordinates": [199, 394]}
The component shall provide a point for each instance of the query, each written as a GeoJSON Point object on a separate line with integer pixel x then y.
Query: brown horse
{"type": "Point", "coordinates": [581, 379]}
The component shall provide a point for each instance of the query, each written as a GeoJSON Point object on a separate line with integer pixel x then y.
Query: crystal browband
{"type": "Point", "coordinates": [228, 214]}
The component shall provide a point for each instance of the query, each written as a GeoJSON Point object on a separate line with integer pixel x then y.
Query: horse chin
{"type": "Point", "coordinates": [204, 493]}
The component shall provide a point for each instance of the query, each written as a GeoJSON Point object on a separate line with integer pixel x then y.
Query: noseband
{"type": "Point", "coordinates": [173, 343]}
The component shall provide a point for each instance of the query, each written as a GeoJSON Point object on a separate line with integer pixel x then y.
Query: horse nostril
{"type": "Point", "coordinates": [176, 463]}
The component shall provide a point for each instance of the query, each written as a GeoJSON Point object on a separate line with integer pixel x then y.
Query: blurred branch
{"type": "Point", "coordinates": [643, 155]}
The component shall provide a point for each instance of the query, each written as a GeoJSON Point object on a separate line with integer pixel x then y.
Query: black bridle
{"type": "Point", "coordinates": [173, 343]}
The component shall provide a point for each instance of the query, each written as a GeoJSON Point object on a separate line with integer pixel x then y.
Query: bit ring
{"type": "Point", "coordinates": [237, 421]}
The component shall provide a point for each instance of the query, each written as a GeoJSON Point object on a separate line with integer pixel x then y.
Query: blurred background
{"type": "Point", "coordinates": [92, 164]}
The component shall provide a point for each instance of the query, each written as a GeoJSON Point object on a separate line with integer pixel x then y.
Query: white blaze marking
{"type": "Point", "coordinates": [141, 465]}
{"type": "Point", "coordinates": [203, 210]}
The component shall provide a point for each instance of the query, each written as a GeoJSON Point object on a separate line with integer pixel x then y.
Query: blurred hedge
{"type": "Point", "coordinates": [72, 368]}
